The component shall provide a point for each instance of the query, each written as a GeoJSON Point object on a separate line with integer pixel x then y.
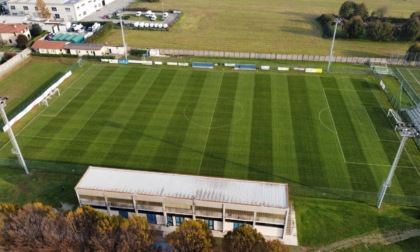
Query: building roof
{"type": "Point", "coordinates": [12, 28]}
{"type": "Point", "coordinates": [185, 186]}
{"type": "Point", "coordinates": [46, 44]}
{"type": "Point", "coordinates": [81, 46]}
{"type": "Point", "coordinates": [71, 2]}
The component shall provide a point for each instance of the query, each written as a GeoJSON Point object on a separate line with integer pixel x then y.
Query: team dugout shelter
{"type": "Point", "coordinates": [167, 199]}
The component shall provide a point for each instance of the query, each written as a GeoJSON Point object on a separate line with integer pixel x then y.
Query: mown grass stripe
{"type": "Point", "coordinates": [139, 119]}
{"type": "Point", "coordinates": [214, 156]}
{"type": "Point", "coordinates": [171, 144]}
{"type": "Point", "coordinates": [69, 113]}
{"type": "Point", "coordinates": [360, 175]}
{"type": "Point", "coordinates": [94, 125]}
{"type": "Point", "coordinates": [310, 164]}
{"type": "Point", "coordinates": [261, 153]}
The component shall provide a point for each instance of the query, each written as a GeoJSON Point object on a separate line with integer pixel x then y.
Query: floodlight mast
{"type": "Point", "coordinates": [9, 130]}
{"type": "Point", "coordinates": [337, 20]}
{"type": "Point", "coordinates": [122, 31]}
{"type": "Point", "coordinates": [405, 131]}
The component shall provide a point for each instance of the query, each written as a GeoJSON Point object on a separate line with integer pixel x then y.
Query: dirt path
{"type": "Point", "coordinates": [386, 238]}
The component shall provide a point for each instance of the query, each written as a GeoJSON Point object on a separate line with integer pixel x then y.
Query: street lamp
{"type": "Point", "coordinates": [405, 131]}
{"type": "Point", "coordinates": [8, 128]}
{"type": "Point", "coordinates": [337, 20]}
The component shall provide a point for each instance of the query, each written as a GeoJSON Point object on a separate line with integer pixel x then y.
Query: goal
{"type": "Point", "coordinates": [49, 95]}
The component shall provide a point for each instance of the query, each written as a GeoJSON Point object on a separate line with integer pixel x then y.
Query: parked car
{"type": "Point", "coordinates": [153, 18]}
{"type": "Point", "coordinates": [165, 14]}
{"type": "Point", "coordinates": [138, 13]}
{"type": "Point", "coordinates": [126, 17]}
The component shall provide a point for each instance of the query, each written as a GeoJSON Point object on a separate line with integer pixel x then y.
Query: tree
{"type": "Point", "coordinates": [380, 12]}
{"type": "Point", "coordinates": [191, 235]}
{"type": "Point", "coordinates": [411, 29]}
{"type": "Point", "coordinates": [21, 41]}
{"type": "Point", "coordinates": [415, 15]}
{"type": "Point", "coordinates": [134, 235]}
{"type": "Point", "coordinates": [81, 227]}
{"type": "Point", "coordinates": [277, 246]}
{"type": "Point", "coordinates": [361, 10]}
{"type": "Point", "coordinates": [244, 238]}
{"type": "Point", "coordinates": [35, 30]}
{"type": "Point", "coordinates": [380, 31]}
{"type": "Point", "coordinates": [42, 9]}
{"type": "Point", "coordinates": [348, 9]}
{"type": "Point", "coordinates": [23, 230]}
{"type": "Point", "coordinates": [355, 28]}
{"type": "Point", "coordinates": [413, 52]}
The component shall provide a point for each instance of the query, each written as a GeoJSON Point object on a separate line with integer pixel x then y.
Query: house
{"type": "Point", "coordinates": [85, 49]}
{"type": "Point", "coordinates": [167, 199]}
{"type": "Point", "coordinates": [49, 47]}
{"type": "Point", "coordinates": [66, 10]}
{"type": "Point", "coordinates": [10, 32]}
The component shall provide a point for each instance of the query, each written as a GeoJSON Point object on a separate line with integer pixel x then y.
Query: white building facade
{"type": "Point", "coordinates": [65, 10]}
{"type": "Point", "coordinates": [167, 199]}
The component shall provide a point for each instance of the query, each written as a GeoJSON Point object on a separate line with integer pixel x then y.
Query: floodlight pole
{"type": "Point", "coordinates": [122, 31]}
{"type": "Point", "coordinates": [405, 132]}
{"type": "Point", "coordinates": [337, 21]}
{"type": "Point", "coordinates": [16, 149]}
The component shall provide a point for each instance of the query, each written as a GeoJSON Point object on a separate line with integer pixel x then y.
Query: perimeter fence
{"type": "Point", "coordinates": [293, 57]}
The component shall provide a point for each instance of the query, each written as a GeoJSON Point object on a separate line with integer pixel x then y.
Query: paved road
{"type": "Point", "coordinates": [116, 5]}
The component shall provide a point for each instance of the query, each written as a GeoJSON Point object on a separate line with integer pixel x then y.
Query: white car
{"type": "Point", "coordinates": [138, 13]}
{"type": "Point", "coordinates": [165, 14]}
{"type": "Point", "coordinates": [153, 18]}
{"type": "Point", "coordinates": [149, 13]}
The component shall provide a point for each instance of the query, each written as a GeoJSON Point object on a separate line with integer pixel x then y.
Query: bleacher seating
{"type": "Point", "coordinates": [414, 115]}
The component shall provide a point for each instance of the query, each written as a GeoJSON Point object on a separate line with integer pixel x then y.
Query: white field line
{"type": "Point", "coordinates": [335, 128]}
{"type": "Point", "coordinates": [413, 76]}
{"type": "Point", "coordinates": [211, 121]}
{"type": "Point", "coordinates": [389, 165]}
{"type": "Point", "coordinates": [50, 138]}
{"type": "Point", "coordinates": [323, 124]}
{"type": "Point", "coordinates": [402, 75]}
{"type": "Point", "coordinates": [70, 87]}
{"type": "Point", "coordinates": [40, 113]}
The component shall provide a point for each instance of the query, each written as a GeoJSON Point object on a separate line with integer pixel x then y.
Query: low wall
{"type": "Point", "coordinates": [11, 63]}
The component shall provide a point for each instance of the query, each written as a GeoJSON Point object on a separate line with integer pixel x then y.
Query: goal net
{"type": "Point", "coordinates": [48, 97]}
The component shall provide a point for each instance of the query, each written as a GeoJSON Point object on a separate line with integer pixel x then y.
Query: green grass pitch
{"type": "Point", "coordinates": [328, 131]}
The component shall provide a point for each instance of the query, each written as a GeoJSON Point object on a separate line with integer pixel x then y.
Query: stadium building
{"type": "Point", "coordinates": [65, 10]}
{"type": "Point", "coordinates": [167, 199]}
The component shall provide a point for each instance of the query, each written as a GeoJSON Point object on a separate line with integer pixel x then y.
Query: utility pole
{"type": "Point", "coordinates": [336, 21]}
{"type": "Point", "coordinates": [8, 128]}
{"type": "Point", "coordinates": [405, 131]}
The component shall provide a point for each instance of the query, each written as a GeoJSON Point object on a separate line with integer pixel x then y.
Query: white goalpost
{"type": "Point", "coordinates": [49, 95]}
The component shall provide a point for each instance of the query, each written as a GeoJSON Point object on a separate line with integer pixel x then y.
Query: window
{"type": "Point", "coordinates": [25, 8]}
{"type": "Point", "coordinates": [10, 41]}
{"type": "Point", "coordinates": [151, 218]}
{"type": "Point", "coordinates": [57, 15]}
{"type": "Point", "coordinates": [169, 220]}
{"type": "Point", "coordinates": [210, 223]}
{"type": "Point", "coordinates": [84, 13]}
{"type": "Point", "coordinates": [179, 220]}
{"type": "Point", "coordinates": [54, 8]}
{"type": "Point", "coordinates": [123, 213]}
{"type": "Point", "coordinates": [67, 9]}
{"type": "Point", "coordinates": [12, 7]}
{"type": "Point", "coordinates": [237, 224]}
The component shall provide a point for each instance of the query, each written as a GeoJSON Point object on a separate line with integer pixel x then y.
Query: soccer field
{"type": "Point", "coordinates": [326, 131]}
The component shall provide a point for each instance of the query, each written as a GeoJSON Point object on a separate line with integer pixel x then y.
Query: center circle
{"type": "Point", "coordinates": [206, 116]}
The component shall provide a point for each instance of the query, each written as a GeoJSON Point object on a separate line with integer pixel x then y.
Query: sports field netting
{"type": "Point", "coordinates": [410, 77]}
{"type": "Point", "coordinates": [320, 131]}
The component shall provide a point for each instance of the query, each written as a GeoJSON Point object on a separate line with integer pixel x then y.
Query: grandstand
{"type": "Point", "coordinates": [414, 115]}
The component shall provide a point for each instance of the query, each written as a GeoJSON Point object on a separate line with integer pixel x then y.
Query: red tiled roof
{"type": "Point", "coordinates": [46, 44]}
{"type": "Point", "coordinates": [12, 28]}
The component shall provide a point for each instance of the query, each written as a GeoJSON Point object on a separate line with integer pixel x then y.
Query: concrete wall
{"type": "Point", "coordinates": [11, 63]}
